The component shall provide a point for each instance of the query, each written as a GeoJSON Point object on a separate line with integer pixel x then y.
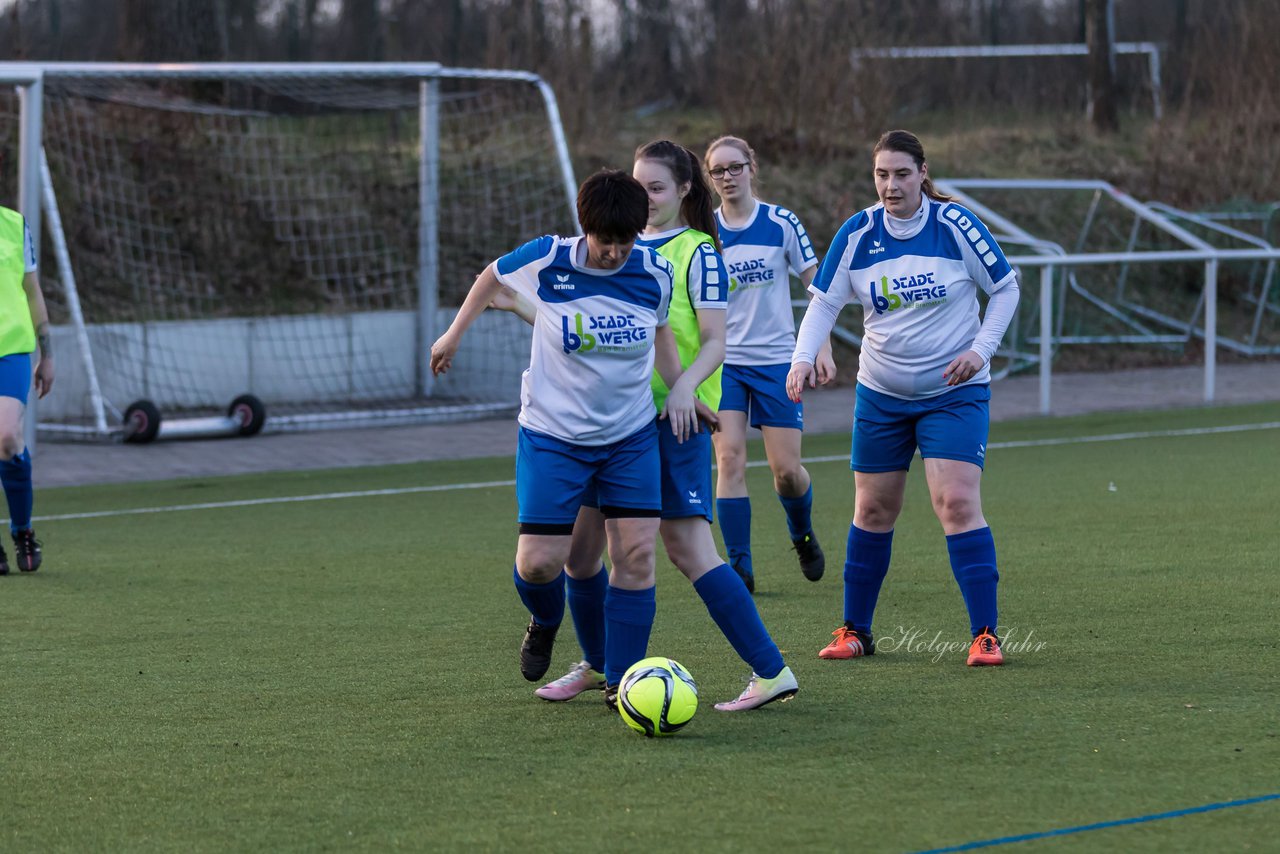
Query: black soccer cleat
{"type": "Point", "coordinates": [812, 561]}
{"type": "Point", "coordinates": [4, 563]}
{"type": "Point", "coordinates": [535, 651]}
{"type": "Point", "coordinates": [742, 566]}
{"type": "Point", "coordinates": [611, 697]}
{"type": "Point", "coordinates": [26, 549]}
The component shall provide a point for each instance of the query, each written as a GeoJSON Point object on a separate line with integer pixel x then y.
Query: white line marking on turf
{"type": "Point", "coordinates": [450, 487]}
{"type": "Point", "coordinates": [1082, 440]}
{"type": "Point", "coordinates": [252, 502]}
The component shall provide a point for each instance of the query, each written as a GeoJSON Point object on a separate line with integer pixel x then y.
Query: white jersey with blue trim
{"type": "Point", "coordinates": [918, 293]}
{"type": "Point", "coordinates": [592, 353]}
{"type": "Point", "coordinates": [760, 326]}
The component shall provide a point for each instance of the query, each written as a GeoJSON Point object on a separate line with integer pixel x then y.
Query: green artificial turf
{"type": "Point", "coordinates": [341, 673]}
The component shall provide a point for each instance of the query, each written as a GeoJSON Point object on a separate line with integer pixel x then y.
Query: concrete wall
{"type": "Point", "coordinates": [295, 361]}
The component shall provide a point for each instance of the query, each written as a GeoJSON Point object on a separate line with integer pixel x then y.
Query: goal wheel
{"type": "Point", "coordinates": [250, 412]}
{"type": "Point", "coordinates": [141, 422]}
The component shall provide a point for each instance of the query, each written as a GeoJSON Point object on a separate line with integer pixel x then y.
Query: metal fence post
{"type": "Point", "coordinates": [1046, 336]}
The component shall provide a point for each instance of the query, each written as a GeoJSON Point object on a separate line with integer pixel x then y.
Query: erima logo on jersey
{"type": "Point", "coordinates": [918, 289]}
{"type": "Point", "coordinates": [971, 233]}
{"type": "Point", "coordinates": [609, 332]}
{"type": "Point", "coordinates": [562, 283]}
{"type": "Point", "coordinates": [876, 248]}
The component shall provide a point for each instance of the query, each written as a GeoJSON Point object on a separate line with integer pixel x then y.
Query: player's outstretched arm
{"type": "Point", "coordinates": [486, 287]}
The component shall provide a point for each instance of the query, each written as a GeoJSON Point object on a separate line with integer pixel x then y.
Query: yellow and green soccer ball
{"type": "Point", "coordinates": [657, 696]}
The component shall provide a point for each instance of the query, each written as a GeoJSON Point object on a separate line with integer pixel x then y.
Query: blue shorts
{"type": "Point", "coordinates": [950, 426]}
{"type": "Point", "coordinates": [551, 476]}
{"type": "Point", "coordinates": [761, 392]}
{"type": "Point", "coordinates": [686, 476]}
{"type": "Point", "coordinates": [15, 376]}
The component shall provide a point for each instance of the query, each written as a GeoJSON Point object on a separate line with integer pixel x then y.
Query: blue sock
{"type": "Point", "coordinates": [735, 527]}
{"type": "Point", "coordinates": [973, 561]}
{"type": "Point", "coordinates": [865, 565]}
{"type": "Point", "coordinates": [628, 618]}
{"type": "Point", "coordinates": [734, 611]}
{"type": "Point", "coordinates": [586, 604]}
{"type": "Point", "coordinates": [799, 513]}
{"type": "Point", "coordinates": [16, 475]}
{"type": "Point", "coordinates": [544, 601]}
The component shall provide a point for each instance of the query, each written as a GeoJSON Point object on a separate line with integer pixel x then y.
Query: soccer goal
{"type": "Point", "coordinates": [297, 233]}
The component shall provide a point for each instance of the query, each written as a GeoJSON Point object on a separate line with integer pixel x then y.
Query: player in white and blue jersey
{"type": "Point", "coordinates": [586, 415]}
{"type": "Point", "coordinates": [915, 263]}
{"type": "Point", "coordinates": [764, 246]}
{"type": "Point", "coordinates": [681, 227]}
{"type": "Point", "coordinates": [26, 363]}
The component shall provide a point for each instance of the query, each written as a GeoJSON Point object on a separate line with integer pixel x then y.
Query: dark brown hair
{"type": "Point", "coordinates": [612, 206]}
{"type": "Point", "coordinates": [906, 142]}
{"type": "Point", "coordinates": [696, 208]}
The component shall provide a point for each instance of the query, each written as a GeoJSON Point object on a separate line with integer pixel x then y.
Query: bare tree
{"type": "Point", "coordinates": [1099, 32]}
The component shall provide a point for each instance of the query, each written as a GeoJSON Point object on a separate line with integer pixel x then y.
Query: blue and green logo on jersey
{"type": "Point", "coordinates": [609, 332]}
{"type": "Point", "coordinates": [578, 340]}
{"type": "Point", "coordinates": [915, 291]}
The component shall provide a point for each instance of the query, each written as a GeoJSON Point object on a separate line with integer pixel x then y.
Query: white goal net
{"type": "Point", "coordinates": [299, 233]}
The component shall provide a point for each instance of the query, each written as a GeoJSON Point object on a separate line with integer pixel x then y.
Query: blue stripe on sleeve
{"type": "Point", "coordinates": [830, 264]}
{"type": "Point", "coordinates": [534, 250]}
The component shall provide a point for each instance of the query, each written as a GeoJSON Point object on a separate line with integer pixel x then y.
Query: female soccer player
{"type": "Point", "coordinates": [26, 362]}
{"type": "Point", "coordinates": [914, 262]}
{"type": "Point", "coordinates": [586, 415]}
{"type": "Point", "coordinates": [763, 245]}
{"type": "Point", "coordinates": [681, 227]}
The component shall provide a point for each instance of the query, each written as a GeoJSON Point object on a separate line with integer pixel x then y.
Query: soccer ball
{"type": "Point", "coordinates": [657, 696]}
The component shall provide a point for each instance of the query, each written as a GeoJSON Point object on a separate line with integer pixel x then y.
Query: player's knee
{"type": "Point", "coordinates": [790, 480]}
{"type": "Point", "coordinates": [633, 561]}
{"type": "Point", "coordinates": [11, 444]}
{"type": "Point", "coordinates": [732, 462]}
{"type": "Point", "coordinates": [871, 514]}
{"type": "Point", "coordinates": [956, 508]}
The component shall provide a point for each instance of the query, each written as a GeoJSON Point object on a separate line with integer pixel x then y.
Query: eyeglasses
{"type": "Point", "coordinates": [734, 169]}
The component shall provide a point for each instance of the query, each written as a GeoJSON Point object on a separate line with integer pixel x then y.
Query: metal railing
{"type": "Point", "coordinates": [1053, 257]}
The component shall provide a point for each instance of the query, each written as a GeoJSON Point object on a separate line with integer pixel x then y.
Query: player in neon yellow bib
{"type": "Point", "coordinates": [24, 342]}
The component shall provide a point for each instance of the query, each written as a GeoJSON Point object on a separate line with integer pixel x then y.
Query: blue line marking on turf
{"type": "Point", "coordinates": [1064, 831]}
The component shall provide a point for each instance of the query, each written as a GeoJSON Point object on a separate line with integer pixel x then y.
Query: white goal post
{"type": "Point", "coordinates": [299, 232]}
{"type": "Point", "coordinates": [1150, 49]}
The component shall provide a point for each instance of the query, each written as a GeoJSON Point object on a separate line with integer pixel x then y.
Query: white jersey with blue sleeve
{"type": "Point", "coordinates": [761, 256]}
{"type": "Point", "coordinates": [918, 293]}
{"type": "Point", "coordinates": [592, 352]}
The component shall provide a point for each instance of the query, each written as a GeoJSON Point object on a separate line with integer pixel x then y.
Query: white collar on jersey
{"type": "Point", "coordinates": [909, 227]}
{"type": "Point", "coordinates": [755, 209]}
